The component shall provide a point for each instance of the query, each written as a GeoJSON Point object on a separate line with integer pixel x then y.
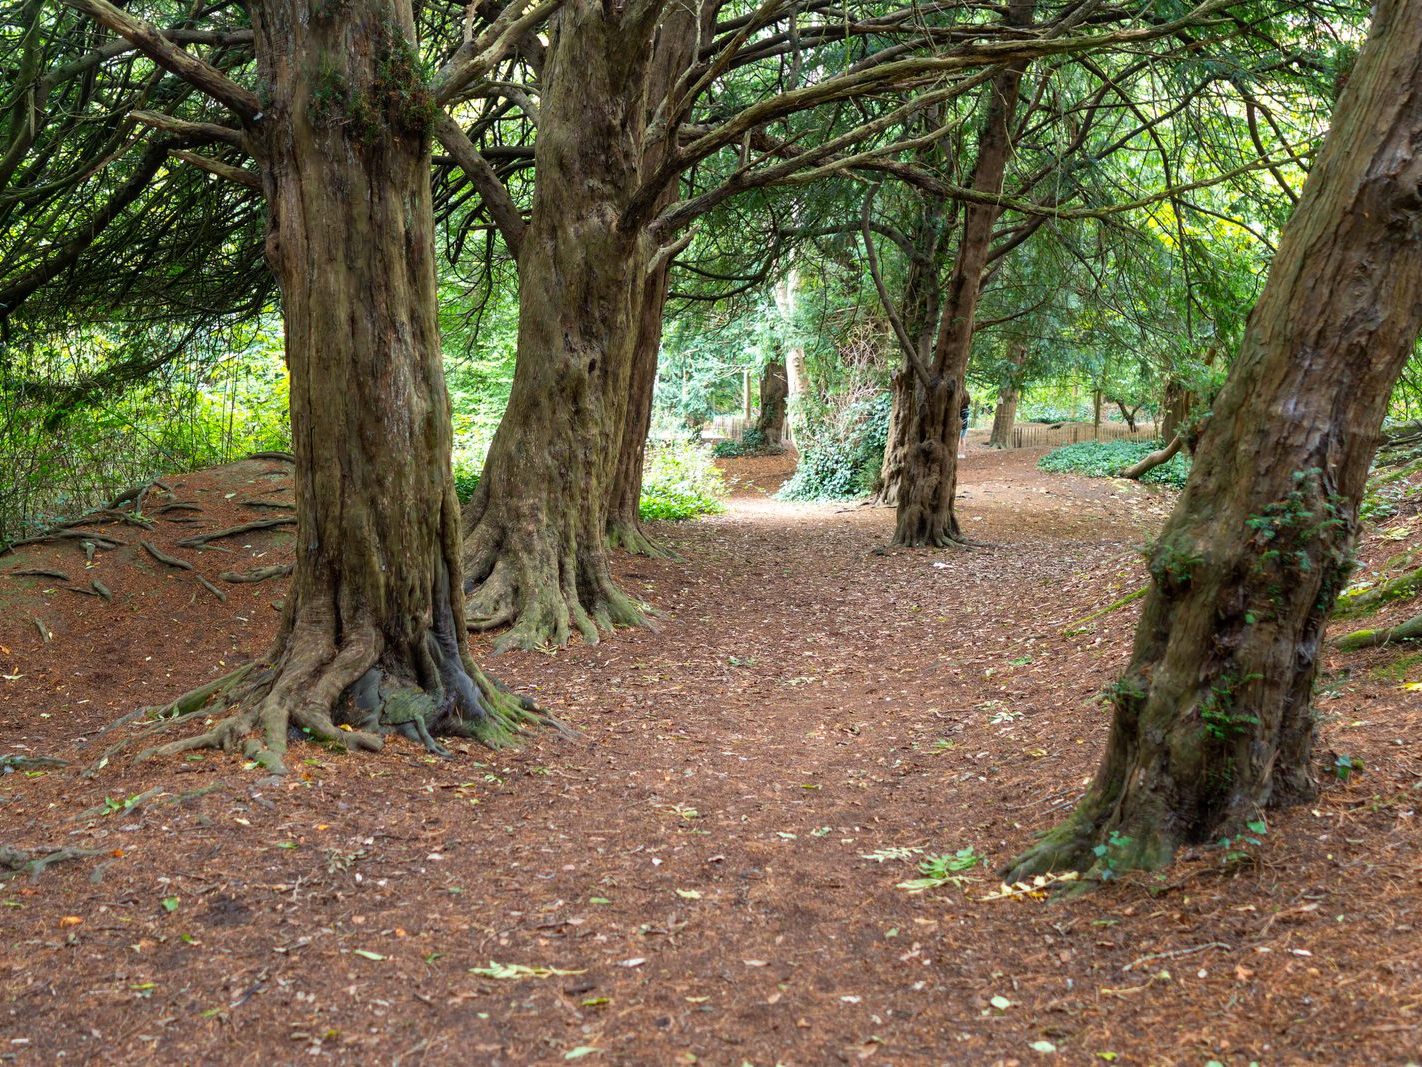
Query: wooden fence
{"type": "Point", "coordinates": [1052, 435]}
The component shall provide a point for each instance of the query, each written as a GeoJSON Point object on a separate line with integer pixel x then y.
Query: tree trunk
{"type": "Point", "coordinates": [1175, 408]}
{"type": "Point", "coordinates": [796, 375]}
{"type": "Point", "coordinates": [774, 390]}
{"type": "Point", "coordinates": [624, 521]}
{"type": "Point", "coordinates": [536, 553]}
{"type": "Point", "coordinates": [672, 52]}
{"type": "Point", "coordinates": [1212, 718]}
{"type": "Point", "coordinates": [1004, 417]}
{"type": "Point", "coordinates": [928, 481]}
{"type": "Point", "coordinates": [371, 637]}
{"type": "Point", "coordinates": [1008, 395]}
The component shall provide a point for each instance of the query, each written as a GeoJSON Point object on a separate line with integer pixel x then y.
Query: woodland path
{"type": "Point", "coordinates": [699, 854]}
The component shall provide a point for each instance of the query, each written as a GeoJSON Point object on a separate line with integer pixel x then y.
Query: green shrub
{"type": "Point", "coordinates": [841, 457]}
{"type": "Point", "coordinates": [1107, 459]}
{"type": "Point", "coordinates": [680, 482]}
{"type": "Point", "coordinates": [466, 476]}
{"type": "Point", "coordinates": [752, 443]}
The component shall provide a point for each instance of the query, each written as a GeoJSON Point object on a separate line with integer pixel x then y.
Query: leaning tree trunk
{"type": "Point", "coordinates": [1213, 719]}
{"type": "Point", "coordinates": [929, 478]}
{"type": "Point", "coordinates": [536, 553]}
{"type": "Point", "coordinates": [371, 638]}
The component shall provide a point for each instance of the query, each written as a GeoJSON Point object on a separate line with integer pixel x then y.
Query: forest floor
{"type": "Point", "coordinates": [711, 872]}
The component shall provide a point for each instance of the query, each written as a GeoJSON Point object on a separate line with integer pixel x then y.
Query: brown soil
{"type": "Point", "coordinates": [707, 861]}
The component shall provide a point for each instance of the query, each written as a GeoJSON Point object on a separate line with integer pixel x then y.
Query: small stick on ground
{"type": "Point", "coordinates": [233, 531]}
{"type": "Point", "coordinates": [261, 574]}
{"type": "Point", "coordinates": [163, 557]}
{"type": "Point", "coordinates": [212, 589]}
{"type": "Point", "coordinates": [38, 572]}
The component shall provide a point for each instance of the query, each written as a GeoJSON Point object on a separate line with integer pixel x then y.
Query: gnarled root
{"type": "Point", "coordinates": [631, 537]}
{"type": "Point", "coordinates": [544, 597]}
{"type": "Point", "coordinates": [349, 694]}
{"type": "Point", "coordinates": [1093, 847]}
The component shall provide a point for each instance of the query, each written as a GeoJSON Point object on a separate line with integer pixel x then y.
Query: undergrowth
{"type": "Point", "coordinates": [1107, 459]}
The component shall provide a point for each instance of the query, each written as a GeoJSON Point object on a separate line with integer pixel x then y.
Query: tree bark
{"type": "Point", "coordinates": [929, 475]}
{"type": "Point", "coordinates": [536, 552]}
{"type": "Point", "coordinates": [371, 637]}
{"type": "Point", "coordinates": [1213, 721]}
{"type": "Point", "coordinates": [624, 521]}
{"type": "Point", "coordinates": [796, 374]}
{"type": "Point", "coordinates": [774, 392]}
{"type": "Point", "coordinates": [672, 52]}
{"type": "Point", "coordinates": [1008, 396]}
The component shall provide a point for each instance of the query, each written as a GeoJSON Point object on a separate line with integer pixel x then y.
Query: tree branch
{"type": "Point", "coordinates": [150, 40]}
{"type": "Point", "coordinates": [222, 170]}
{"type": "Point", "coordinates": [497, 201]}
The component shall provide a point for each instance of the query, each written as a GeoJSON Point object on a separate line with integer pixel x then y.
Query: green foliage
{"type": "Point", "coordinates": [841, 455]}
{"type": "Point", "coordinates": [208, 410]}
{"type": "Point", "coordinates": [1109, 854]}
{"type": "Point", "coordinates": [1107, 459]}
{"type": "Point", "coordinates": [1345, 766]}
{"type": "Point", "coordinates": [1218, 713]}
{"type": "Point", "coordinates": [752, 443]}
{"type": "Point", "coordinates": [466, 477]}
{"type": "Point", "coordinates": [680, 482]}
{"type": "Point", "coordinates": [944, 870]}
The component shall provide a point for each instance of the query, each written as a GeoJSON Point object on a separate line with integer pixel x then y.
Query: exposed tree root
{"type": "Point", "coordinates": [1157, 458]}
{"type": "Point", "coordinates": [1411, 630]}
{"type": "Point", "coordinates": [284, 457]}
{"type": "Point", "coordinates": [103, 541]}
{"type": "Point", "coordinates": [178, 505]}
{"type": "Point", "coordinates": [103, 590]}
{"type": "Point", "coordinates": [349, 694]}
{"type": "Point", "coordinates": [1352, 605]}
{"type": "Point", "coordinates": [631, 537]}
{"type": "Point", "coordinates": [17, 762]}
{"type": "Point", "coordinates": [544, 612]}
{"type": "Point", "coordinates": [163, 557]}
{"type": "Point", "coordinates": [261, 574]}
{"type": "Point", "coordinates": [38, 572]}
{"type": "Point", "coordinates": [274, 505]}
{"type": "Point", "coordinates": [16, 861]}
{"type": "Point", "coordinates": [44, 631]}
{"type": "Point", "coordinates": [221, 596]}
{"type": "Point", "coordinates": [1095, 847]}
{"type": "Point", "coordinates": [233, 531]}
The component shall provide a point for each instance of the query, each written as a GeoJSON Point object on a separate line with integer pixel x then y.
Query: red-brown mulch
{"type": "Point", "coordinates": [710, 861]}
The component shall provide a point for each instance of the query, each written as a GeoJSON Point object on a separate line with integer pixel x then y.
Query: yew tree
{"type": "Point", "coordinates": [337, 116]}
{"type": "Point", "coordinates": [1213, 717]}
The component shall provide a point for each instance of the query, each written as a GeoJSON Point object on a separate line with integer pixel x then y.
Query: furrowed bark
{"type": "Point", "coordinates": [536, 552]}
{"type": "Point", "coordinates": [1213, 720]}
{"type": "Point", "coordinates": [928, 481]}
{"type": "Point", "coordinates": [372, 638]}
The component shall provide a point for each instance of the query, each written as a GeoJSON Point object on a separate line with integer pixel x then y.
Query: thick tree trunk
{"type": "Point", "coordinates": [1213, 720]}
{"type": "Point", "coordinates": [929, 476]}
{"type": "Point", "coordinates": [371, 637]}
{"type": "Point", "coordinates": [774, 392]}
{"type": "Point", "coordinates": [536, 553]}
{"type": "Point", "coordinates": [1175, 408]}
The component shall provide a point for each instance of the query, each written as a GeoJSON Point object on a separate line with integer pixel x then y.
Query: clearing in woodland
{"type": "Point", "coordinates": [713, 870]}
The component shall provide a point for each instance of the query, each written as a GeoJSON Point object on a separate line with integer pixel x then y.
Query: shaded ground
{"type": "Point", "coordinates": [710, 862]}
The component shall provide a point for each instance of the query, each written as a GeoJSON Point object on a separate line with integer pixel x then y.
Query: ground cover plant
{"type": "Point", "coordinates": [1109, 459]}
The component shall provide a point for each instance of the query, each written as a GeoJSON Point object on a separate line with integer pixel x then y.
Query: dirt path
{"type": "Point", "coordinates": [712, 859]}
